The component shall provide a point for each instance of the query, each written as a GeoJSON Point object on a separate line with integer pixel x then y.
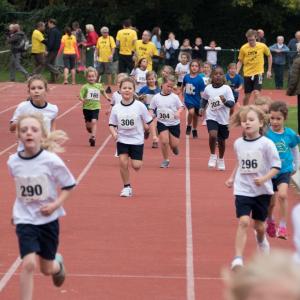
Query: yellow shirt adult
{"type": "Point", "coordinates": [126, 37]}
{"type": "Point", "coordinates": [253, 58]}
{"type": "Point", "coordinates": [105, 48]}
{"type": "Point", "coordinates": [36, 40]}
{"type": "Point", "coordinates": [145, 50]}
{"type": "Point", "coordinates": [69, 44]}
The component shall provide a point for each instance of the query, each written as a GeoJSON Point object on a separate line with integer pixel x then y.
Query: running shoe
{"type": "Point", "coordinates": [92, 142]}
{"type": "Point", "coordinates": [188, 130]}
{"type": "Point", "coordinates": [59, 278]}
{"type": "Point", "coordinates": [282, 233]}
{"type": "Point", "coordinates": [271, 228]}
{"type": "Point", "coordinates": [108, 90]}
{"type": "Point", "coordinates": [195, 133]}
{"type": "Point", "coordinates": [175, 150]}
{"type": "Point", "coordinates": [126, 192]}
{"type": "Point", "coordinates": [212, 161]}
{"type": "Point", "coordinates": [221, 164]}
{"type": "Point", "coordinates": [264, 246]}
{"type": "Point", "coordinates": [165, 164]}
{"type": "Point", "coordinates": [237, 263]}
{"type": "Point", "coordinates": [155, 145]}
{"type": "Point", "coordinates": [146, 134]}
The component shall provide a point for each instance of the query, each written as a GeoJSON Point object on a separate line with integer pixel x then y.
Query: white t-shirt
{"type": "Point", "coordinates": [140, 78]}
{"type": "Point", "coordinates": [167, 106]}
{"type": "Point", "coordinates": [130, 121]}
{"type": "Point", "coordinates": [255, 159]}
{"type": "Point", "coordinates": [216, 110]}
{"type": "Point", "coordinates": [37, 179]}
{"type": "Point", "coordinates": [182, 70]}
{"type": "Point", "coordinates": [296, 225]}
{"type": "Point", "coordinates": [115, 98]}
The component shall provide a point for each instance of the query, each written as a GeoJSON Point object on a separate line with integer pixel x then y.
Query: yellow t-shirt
{"type": "Point", "coordinates": [253, 58]}
{"type": "Point", "coordinates": [69, 42]}
{"type": "Point", "coordinates": [104, 48]}
{"type": "Point", "coordinates": [126, 37]}
{"type": "Point", "coordinates": [36, 40]}
{"type": "Point", "coordinates": [145, 51]}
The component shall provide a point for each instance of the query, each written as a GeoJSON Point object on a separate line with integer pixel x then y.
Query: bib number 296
{"type": "Point", "coordinates": [249, 164]}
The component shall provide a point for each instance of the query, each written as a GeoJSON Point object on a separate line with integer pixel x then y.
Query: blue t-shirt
{"type": "Point", "coordinates": [145, 90]}
{"type": "Point", "coordinates": [234, 83]}
{"type": "Point", "coordinates": [284, 142]}
{"type": "Point", "coordinates": [193, 87]}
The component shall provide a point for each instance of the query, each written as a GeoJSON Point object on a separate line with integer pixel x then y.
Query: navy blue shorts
{"type": "Point", "coordinates": [192, 106]}
{"type": "Point", "coordinates": [39, 239]}
{"type": "Point", "coordinates": [90, 114]}
{"type": "Point", "coordinates": [134, 151]}
{"type": "Point", "coordinates": [223, 132]}
{"type": "Point", "coordinates": [281, 178]}
{"type": "Point", "coordinates": [257, 206]}
{"type": "Point", "coordinates": [174, 130]}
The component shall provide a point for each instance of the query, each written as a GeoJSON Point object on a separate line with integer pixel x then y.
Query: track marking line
{"type": "Point", "coordinates": [7, 109]}
{"type": "Point", "coordinates": [190, 276]}
{"type": "Point", "coordinates": [7, 276]}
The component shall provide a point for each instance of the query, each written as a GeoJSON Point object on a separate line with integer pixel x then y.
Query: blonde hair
{"type": "Point", "coordinates": [89, 27]}
{"type": "Point", "coordinates": [121, 76]}
{"type": "Point", "coordinates": [171, 78]}
{"type": "Point", "coordinates": [262, 268]}
{"type": "Point", "coordinates": [90, 70]}
{"type": "Point", "coordinates": [262, 100]}
{"type": "Point", "coordinates": [51, 141]}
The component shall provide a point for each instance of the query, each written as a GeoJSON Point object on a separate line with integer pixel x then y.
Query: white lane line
{"type": "Point", "coordinates": [4, 280]}
{"type": "Point", "coordinates": [8, 148]}
{"type": "Point", "coordinates": [190, 276]}
{"type": "Point", "coordinates": [7, 109]}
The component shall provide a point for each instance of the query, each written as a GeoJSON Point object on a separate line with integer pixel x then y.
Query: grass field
{"type": "Point", "coordinates": [292, 118]}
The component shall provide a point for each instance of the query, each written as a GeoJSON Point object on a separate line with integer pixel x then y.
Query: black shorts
{"type": "Point", "coordinates": [179, 84]}
{"type": "Point", "coordinates": [281, 178]}
{"type": "Point", "coordinates": [39, 239]}
{"type": "Point", "coordinates": [174, 130]}
{"type": "Point", "coordinates": [223, 132]}
{"type": "Point", "coordinates": [252, 83]}
{"type": "Point", "coordinates": [69, 61]}
{"type": "Point", "coordinates": [255, 206]}
{"type": "Point", "coordinates": [91, 114]}
{"type": "Point", "coordinates": [191, 106]}
{"type": "Point", "coordinates": [134, 151]}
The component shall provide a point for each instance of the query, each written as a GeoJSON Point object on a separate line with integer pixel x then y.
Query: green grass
{"type": "Point", "coordinates": [292, 119]}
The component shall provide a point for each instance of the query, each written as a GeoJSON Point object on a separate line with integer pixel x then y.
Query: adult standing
{"type": "Point", "coordinates": [251, 57]}
{"type": "Point", "coordinates": [53, 44]}
{"type": "Point", "coordinates": [144, 48]}
{"type": "Point", "coordinates": [261, 36]}
{"type": "Point", "coordinates": [279, 52]}
{"type": "Point", "coordinates": [16, 40]}
{"type": "Point", "coordinates": [126, 39]}
{"type": "Point", "coordinates": [156, 40]}
{"type": "Point", "coordinates": [105, 48]}
{"type": "Point", "coordinates": [171, 48]}
{"type": "Point", "coordinates": [293, 47]}
{"type": "Point", "coordinates": [294, 82]}
{"type": "Point", "coordinates": [80, 39]}
{"type": "Point", "coordinates": [90, 44]}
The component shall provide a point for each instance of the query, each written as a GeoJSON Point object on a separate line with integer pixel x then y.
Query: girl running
{"type": "Point", "coordinates": [257, 163]}
{"type": "Point", "coordinates": [116, 96]}
{"type": "Point", "coordinates": [219, 99]}
{"type": "Point", "coordinates": [182, 68]}
{"type": "Point", "coordinates": [37, 172]}
{"type": "Point", "coordinates": [37, 103]}
{"type": "Point", "coordinates": [146, 94]}
{"type": "Point", "coordinates": [130, 117]}
{"type": "Point", "coordinates": [139, 74]}
{"type": "Point", "coordinates": [90, 98]}
{"type": "Point", "coordinates": [192, 87]}
{"type": "Point", "coordinates": [168, 108]}
{"type": "Point", "coordinates": [206, 73]}
{"type": "Point", "coordinates": [263, 102]}
{"type": "Point", "coordinates": [286, 141]}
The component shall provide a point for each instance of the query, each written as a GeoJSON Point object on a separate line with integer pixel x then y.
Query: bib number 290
{"type": "Point", "coordinates": [30, 191]}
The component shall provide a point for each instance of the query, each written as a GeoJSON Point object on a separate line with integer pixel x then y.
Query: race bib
{"type": "Point", "coordinates": [93, 94]}
{"type": "Point", "coordinates": [165, 114]}
{"type": "Point", "coordinates": [127, 121]}
{"type": "Point", "coordinates": [31, 189]}
{"type": "Point", "coordinates": [141, 79]}
{"type": "Point", "coordinates": [250, 162]}
{"type": "Point", "coordinates": [215, 103]}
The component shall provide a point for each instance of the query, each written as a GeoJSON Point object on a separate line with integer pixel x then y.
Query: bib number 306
{"type": "Point", "coordinates": [127, 121]}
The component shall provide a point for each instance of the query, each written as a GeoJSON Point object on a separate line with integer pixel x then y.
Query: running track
{"type": "Point", "coordinates": [170, 241]}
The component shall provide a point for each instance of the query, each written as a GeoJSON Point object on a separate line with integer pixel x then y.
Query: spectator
{"type": "Point", "coordinates": [198, 50]}
{"type": "Point", "coordinates": [171, 48]}
{"type": "Point", "coordinates": [70, 53]}
{"type": "Point", "coordinates": [156, 40]}
{"type": "Point", "coordinates": [252, 57]}
{"type": "Point", "coordinates": [212, 54]}
{"type": "Point", "coordinates": [185, 48]}
{"type": "Point", "coordinates": [105, 51]}
{"type": "Point", "coordinates": [144, 48]}
{"type": "Point", "coordinates": [294, 83]}
{"type": "Point", "coordinates": [80, 39]}
{"type": "Point", "coordinates": [16, 40]}
{"type": "Point", "coordinates": [126, 39]}
{"type": "Point", "coordinates": [279, 52]}
{"type": "Point", "coordinates": [261, 36]}
{"type": "Point", "coordinates": [293, 47]}
{"type": "Point", "coordinates": [90, 44]}
{"type": "Point", "coordinates": [53, 44]}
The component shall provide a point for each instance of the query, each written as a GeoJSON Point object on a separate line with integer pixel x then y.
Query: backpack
{"type": "Point", "coordinates": [23, 44]}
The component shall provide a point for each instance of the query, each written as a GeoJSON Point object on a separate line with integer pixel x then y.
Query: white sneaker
{"type": "Point", "coordinates": [237, 263]}
{"type": "Point", "coordinates": [212, 161]}
{"type": "Point", "coordinates": [126, 192]}
{"type": "Point", "coordinates": [221, 164]}
{"type": "Point", "coordinates": [264, 246]}
{"type": "Point", "coordinates": [116, 153]}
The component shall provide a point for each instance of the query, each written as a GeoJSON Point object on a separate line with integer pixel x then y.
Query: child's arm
{"type": "Point", "coordinates": [229, 182]}
{"type": "Point", "coordinates": [105, 95]}
{"type": "Point", "coordinates": [261, 180]}
{"type": "Point", "coordinates": [113, 131]}
{"type": "Point", "coordinates": [178, 112]}
{"type": "Point", "coordinates": [229, 103]}
{"type": "Point", "coordinates": [295, 153]}
{"type": "Point", "coordinates": [204, 103]}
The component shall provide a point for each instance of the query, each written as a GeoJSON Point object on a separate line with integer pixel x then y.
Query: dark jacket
{"type": "Point", "coordinates": [14, 41]}
{"type": "Point", "coordinates": [53, 39]}
{"type": "Point", "coordinates": [294, 81]}
{"type": "Point", "coordinates": [199, 53]}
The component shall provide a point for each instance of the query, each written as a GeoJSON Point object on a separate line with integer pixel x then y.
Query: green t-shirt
{"type": "Point", "coordinates": [91, 95]}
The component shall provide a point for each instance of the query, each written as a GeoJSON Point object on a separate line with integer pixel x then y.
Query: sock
{"type": "Point", "coordinates": [282, 223]}
{"type": "Point", "coordinates": [127, 185]}
{"type": "Point", "coordinates": [194, 129]}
